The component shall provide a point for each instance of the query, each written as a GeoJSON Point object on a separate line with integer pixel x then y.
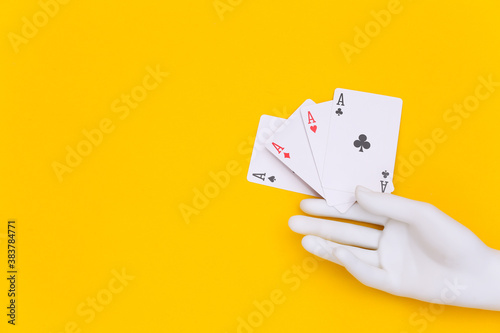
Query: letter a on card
{"type": "Point", "coordinates": [290, 145]}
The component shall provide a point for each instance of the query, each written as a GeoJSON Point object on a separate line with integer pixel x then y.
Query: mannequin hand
{"type": "Point", "coordinates": [421, 253]}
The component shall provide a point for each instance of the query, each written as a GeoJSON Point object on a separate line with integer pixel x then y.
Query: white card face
{"type": "Point", "coordinates": [341, 200]}
{"type": "Point", "coordinates": [344, 207]}
{"type": "Point", "coordinates": [291, 146]}
{"type": "Point", "coordinates": [316, 120]}
{"type": "Point", "coordinates": [362, 141]}
{"type": "Point", "coordinates": [266, 169]}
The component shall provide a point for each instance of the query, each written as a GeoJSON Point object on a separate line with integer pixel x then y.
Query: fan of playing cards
{"type": "Point", "coordinates": [327, 149]}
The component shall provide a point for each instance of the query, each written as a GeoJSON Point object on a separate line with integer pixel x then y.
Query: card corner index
{"type": "Point", "coordinates": [250, 176]}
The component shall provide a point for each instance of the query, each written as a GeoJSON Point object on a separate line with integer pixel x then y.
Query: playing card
{"type": "Point", "coordinates": [290, 145]}
{"type": "Point", "coordinates": [362, 142]}
{"type": "Point", "coordinates": [266, 169]}
{"type": "Point", "coordinates": [342, 200]}
{"type": "Point", "coordinates": [316, 120]}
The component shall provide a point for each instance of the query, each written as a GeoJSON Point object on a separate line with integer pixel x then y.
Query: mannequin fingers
{"type": "Point", "coordinates": [319, 207]}
{"type": "Point", "coordinates": [398, 208]}
{"type": "Point", "coordinates": [339, 232]}
{"type": "Point", "coordinates": [367, 274]}
{"type": "Point", "coordinates": [325, 249]}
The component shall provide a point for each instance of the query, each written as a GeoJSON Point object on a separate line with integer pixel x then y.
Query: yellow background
{"type": "Point", "coordinates": [120, 208]}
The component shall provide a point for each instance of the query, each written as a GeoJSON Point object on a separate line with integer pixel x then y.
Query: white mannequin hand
{"type": "Point", "coordinates": [421, 253]}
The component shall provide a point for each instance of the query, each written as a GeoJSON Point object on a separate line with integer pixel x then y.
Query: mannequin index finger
{"type": "Point", "coordinates": [398, 208]}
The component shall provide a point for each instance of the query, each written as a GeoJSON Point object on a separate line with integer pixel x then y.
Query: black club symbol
{"type": "Point", "coordinates": [339, 112]}
{"type": "Point", "coordinates": [362, 143]}
{"type": "Point", "coordinates": [385, 173]}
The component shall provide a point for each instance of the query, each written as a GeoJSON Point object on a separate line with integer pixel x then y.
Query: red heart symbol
{"type": "Point", "coordinates": [314, 128]}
